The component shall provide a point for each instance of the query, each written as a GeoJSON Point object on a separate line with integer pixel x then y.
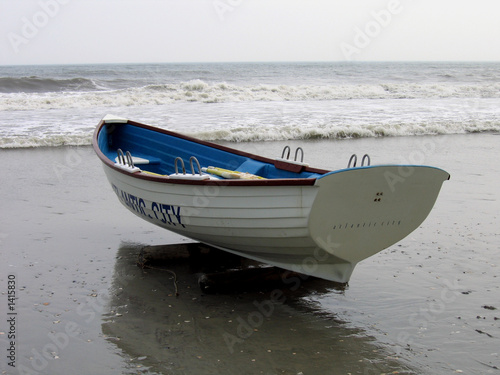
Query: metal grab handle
{"type": "Point", "coordinates": [182, 163]}
{"type": "Point", "coordinates": [283, 153]}
{"type": "Point", "coordinates": [125, 159]}
{"type": "Point", "coordinates": [191, 159]}
{"type": "Point", "coordinates": [287, 149]}
{"type": "Point", "coordinates": [301, 152]}
{"type": "Point", "coordinates": [130, 161]}
{"type": "Point", "coordinates": [353, 157]}
{"type": "Point", "coordinates": [121, 156]}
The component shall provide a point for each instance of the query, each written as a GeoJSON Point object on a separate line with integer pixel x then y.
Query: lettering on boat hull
{"type": "Point", "coordinates": [166, 213]}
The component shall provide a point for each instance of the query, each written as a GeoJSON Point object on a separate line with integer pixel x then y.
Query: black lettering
{"type": "Point", "coordinates": [142, 205]}
{"type": "Point", "coordinates": [166, 208]}
{"type": "Point", "coordinates": [177, 214]}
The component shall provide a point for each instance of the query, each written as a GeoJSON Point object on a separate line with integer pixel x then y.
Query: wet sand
{"type": "Point", "coordinates": [429, 304]}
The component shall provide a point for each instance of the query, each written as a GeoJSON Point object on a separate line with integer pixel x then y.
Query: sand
{"type": "Point", "coordinates": [429, 304]}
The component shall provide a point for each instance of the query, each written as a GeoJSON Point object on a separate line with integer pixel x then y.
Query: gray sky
{"type": "Point", "coordinates": [106, 31]}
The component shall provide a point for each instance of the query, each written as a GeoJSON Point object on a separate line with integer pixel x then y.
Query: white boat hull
{"type": "Point", "coordinates": [322, 230]}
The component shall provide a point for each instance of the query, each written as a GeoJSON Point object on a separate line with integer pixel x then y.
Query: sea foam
{"type": "Point", "coordinates": [222, 92]}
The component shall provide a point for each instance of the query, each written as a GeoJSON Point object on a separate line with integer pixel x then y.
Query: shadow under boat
{"type": "Point", "coordinates": [247, 327]}
{"type": "Point", "coordinates": [218, 271]}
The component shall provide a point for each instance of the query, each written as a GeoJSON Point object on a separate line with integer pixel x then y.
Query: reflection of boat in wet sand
{"type": "Point", "coordinates": [275, 330]}
{"type": "Point", "coordinates": [278, 211]}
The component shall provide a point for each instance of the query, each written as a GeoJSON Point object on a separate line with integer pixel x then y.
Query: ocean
{"type": "Point", "coordinates": [244, 102]}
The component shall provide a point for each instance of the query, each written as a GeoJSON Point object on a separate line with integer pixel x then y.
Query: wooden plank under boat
{"type": "Point", "coordinates": [277, 211]}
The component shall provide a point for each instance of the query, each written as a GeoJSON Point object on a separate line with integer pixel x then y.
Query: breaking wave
{"type": "Point", "coordinates": [32, 93]}
{"type": "Point", "coordinates": [45, 141]}
{"type": "Point", "coordinates": [275, 133]}
{"type": "Point", "coordinates": [262, 133]}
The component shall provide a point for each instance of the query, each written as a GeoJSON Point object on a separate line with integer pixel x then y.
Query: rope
{"type": "Point", "coordinates": [141, 262]}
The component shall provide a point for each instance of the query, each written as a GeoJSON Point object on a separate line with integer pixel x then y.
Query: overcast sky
{"type": "Point", "coordinates": [107, 31]}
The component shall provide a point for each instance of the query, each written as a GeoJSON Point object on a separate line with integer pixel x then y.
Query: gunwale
{"type": "Point", "coordinates": [226, 182]}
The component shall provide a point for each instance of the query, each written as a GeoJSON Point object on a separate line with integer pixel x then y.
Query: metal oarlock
{"type": "Point", "coordinates": [354, 159]}
{"type": "Point", "coordinates": [178, 158]}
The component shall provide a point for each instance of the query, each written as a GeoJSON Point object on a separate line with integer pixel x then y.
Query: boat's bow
{"type": "Point", "coordinates": [361, 211]}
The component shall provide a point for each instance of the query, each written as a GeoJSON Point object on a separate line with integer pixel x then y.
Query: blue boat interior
{"type": "Point", "coordinates": [161, 150]}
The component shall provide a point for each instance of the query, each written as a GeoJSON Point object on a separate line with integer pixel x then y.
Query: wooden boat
{"type": "Point", "coordinates": [278, 211]}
